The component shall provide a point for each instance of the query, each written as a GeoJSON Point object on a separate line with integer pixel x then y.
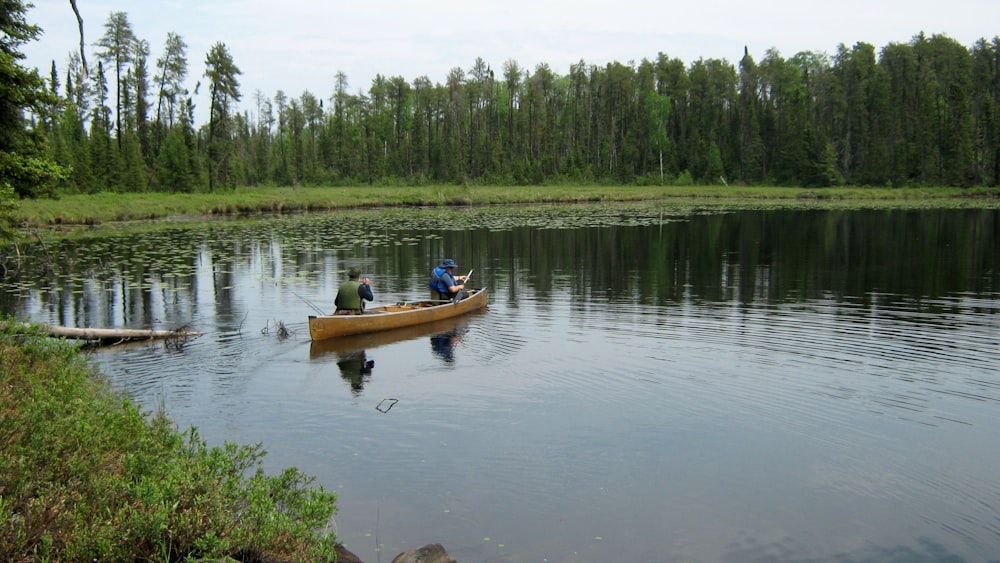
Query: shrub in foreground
{"type": "Point", "coordinates": [84, 475]}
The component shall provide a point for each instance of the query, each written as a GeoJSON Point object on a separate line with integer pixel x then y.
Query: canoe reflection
{"type": "Point", "coordinates": [352, 353]}
{"type": "Point", "coordinates": [320, 349]}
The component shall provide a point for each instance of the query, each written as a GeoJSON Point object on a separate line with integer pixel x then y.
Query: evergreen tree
{"type": "Point", "coordinates": [117, 46]}
{"type": "Point", "coordinates": [281, 172]}
{"type": "Point", "coordinates": [986, 110]}
{"type": "Point", "coordinates": [172, 69]}
{"type": "Point", "coordinates": [138, 115]}
{"type": "Point", "coordinates": [672, 82]}
{"type": "Point", "coordinates": [422, 132]}
{"type": "Point", "coordinates": [173, 166]}
{"type": "Point", "coordinates": [312, 116]}
{"type": "Point", "coordinates": [102, 151]}
{"type": "Point", "coordinates": [751, 145]}
{"type": "Point", "coordinates": [454, 145]}
{"type": "Point", "coordinates": [224, 89]}
{"type": "Point", "coordinates": [948, 93]}
{"type": "Point", "coordinates": [70, 149]}
{"type": "Point", "coordinates": [25, 168]}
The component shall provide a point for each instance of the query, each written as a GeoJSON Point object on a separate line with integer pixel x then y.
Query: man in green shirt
{"type": "Point", "coordinates": [352, 294]}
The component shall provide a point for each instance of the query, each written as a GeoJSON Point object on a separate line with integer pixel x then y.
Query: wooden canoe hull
{"type": "Point", "coordinates": [319, 349]}
{"type": "Point", "coordinates": [388, 317]}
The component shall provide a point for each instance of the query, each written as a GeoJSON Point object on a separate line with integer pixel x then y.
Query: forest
{"type": "Point", "coordinates": [922, 113]}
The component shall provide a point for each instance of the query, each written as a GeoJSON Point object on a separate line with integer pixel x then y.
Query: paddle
{"type": "Point", "coordinates": [459, 295]}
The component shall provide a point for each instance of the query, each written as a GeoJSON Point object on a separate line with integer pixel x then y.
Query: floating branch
{"type": "Point", "coordinates": [279, 329]}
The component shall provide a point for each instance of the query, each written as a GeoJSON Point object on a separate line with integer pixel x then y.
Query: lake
{"type": "Point", "coordinates": [648, 383]}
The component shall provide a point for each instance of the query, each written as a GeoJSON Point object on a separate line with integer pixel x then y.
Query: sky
{"type": "Point", "coordinates": [299, 45]}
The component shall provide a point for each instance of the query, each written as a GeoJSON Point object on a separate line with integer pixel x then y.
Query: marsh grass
{"type": "Point", "coordinates": [111, 207]}
{"type": "Point", "coordinates": [85, 476]}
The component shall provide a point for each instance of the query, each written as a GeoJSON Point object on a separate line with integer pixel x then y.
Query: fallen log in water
{"type": "Point", "coordinates": [106, 335]}
{"type": "Point", "coordinates": [114, 335]}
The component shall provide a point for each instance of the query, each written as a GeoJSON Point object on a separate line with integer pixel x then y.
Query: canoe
{"type": "Point", "coordinates": [324, 349]}
{"type": "Point", "coordinates": [398, 315]}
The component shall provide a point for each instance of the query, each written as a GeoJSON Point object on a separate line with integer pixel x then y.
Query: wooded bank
{"type": "Point", "coordinates": [921, 113]}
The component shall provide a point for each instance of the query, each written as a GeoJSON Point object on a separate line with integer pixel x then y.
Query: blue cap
{"type": "Point", "coordinates": [449, 263]}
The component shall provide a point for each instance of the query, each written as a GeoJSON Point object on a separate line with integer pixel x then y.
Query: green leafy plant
{"type": "Point", "coordinates": [84, 475]}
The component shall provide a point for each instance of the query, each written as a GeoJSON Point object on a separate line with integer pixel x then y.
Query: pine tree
{"type": "Point", "coordinates": [25, 168]}
{"type": "Point", "coordinates": [225, 92]}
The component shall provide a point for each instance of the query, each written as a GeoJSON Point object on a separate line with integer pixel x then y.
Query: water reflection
{"type": "Point", "coordinates": [355, 369]}
{"type": "Point", "coordinates": [659, 381]}
{"type": "Point", "coordinates": [351, 353]}
{"type": "Point", "coordinates": [443, 345]}
{"type": "Point", "coordinates": [174, 277]}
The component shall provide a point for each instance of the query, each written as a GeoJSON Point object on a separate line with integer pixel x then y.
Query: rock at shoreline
{"type": "Point", "coordinates": [430, 553]}
{"type": "Point", "coordinates": [345, 556]}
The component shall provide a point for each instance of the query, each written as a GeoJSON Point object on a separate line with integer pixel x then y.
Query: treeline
{"type": "Point", "coordinates": [923, 113]}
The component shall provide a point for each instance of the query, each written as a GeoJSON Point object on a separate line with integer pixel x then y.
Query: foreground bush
{"type": "Point", "coordinates": [85, 476]}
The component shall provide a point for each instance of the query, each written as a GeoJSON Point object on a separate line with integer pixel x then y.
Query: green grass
{"type": "Point", "coordinates": [112, 207]}
{"type": "Point", "coordinates": [85, 476]}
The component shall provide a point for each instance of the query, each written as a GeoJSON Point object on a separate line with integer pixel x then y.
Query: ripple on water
{"type": "Point", "coordinates": [541, 404]}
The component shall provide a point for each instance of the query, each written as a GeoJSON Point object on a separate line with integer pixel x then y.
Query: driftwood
{"type": "Point", "coordinates": [116, 335]}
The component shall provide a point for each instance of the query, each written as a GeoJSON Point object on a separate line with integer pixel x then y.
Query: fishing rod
{"type": "Point", "coordinates": [307, 302]}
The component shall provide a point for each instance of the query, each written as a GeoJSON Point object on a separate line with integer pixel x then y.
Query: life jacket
{"type": "Point", "coordinates": [348, 298]}
{"type": "Point", "coordinates": [437, 283]}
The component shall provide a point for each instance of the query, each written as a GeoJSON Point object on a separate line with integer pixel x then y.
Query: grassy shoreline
{"type": "Point", "coordinates": [86, 476]}
{"type": "Point", "coordinates": [102, 208]}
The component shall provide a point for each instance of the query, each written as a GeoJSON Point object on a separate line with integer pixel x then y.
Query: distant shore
{"type": "Point", "coordinates": [103, 208]}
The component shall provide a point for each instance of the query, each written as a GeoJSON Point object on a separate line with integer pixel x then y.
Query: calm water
{"type": "Point", "coordinates": [645, 386]}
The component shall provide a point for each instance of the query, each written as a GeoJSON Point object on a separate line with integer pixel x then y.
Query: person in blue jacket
{"type": "Point", "coordinates": [444, 283]}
